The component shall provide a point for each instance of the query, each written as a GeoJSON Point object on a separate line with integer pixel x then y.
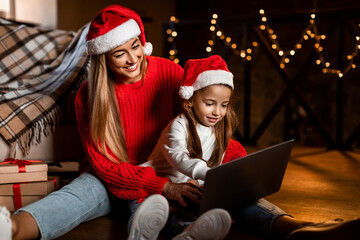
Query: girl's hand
{"type": "Point", "coordinates": [177, 192]}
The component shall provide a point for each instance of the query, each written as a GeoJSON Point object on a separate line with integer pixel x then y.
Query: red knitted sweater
{"type": "Point", "coordinates": [145, 111]}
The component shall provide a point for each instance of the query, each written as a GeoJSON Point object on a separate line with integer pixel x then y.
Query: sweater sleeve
{"type": "Point", "coordinates": [124, 180]}
{"type": "Point", "coordinates": [234, 150]}
{"type": "Point", "coordinates": [173, 146]}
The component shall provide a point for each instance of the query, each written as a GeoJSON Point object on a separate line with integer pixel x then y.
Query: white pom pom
{"type": "Point", "coordinates": [148, 48]}
{"type": "Point", "coordinates": [186, 92]}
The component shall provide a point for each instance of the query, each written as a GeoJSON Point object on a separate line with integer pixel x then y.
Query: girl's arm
{"type": "Point", "coordinates": [173, 146]}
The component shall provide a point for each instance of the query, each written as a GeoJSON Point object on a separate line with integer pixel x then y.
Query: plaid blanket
{"type": "Point", "coordinates": [38, 67]}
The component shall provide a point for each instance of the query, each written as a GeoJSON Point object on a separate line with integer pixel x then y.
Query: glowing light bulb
{"type": "Point", "coordinates": [242, 54]}
{"type": "Point", "coordinates": [211, 42]}
{"type": "Point", "coordinates": [312, 16]}
{"type": "Point", "coordinates": [172, 52]}
{"type": "Point", "coordinates": [318, 62]}
{"type": "Point", "coordinates": [340, 75]}
{"type": "Point", "coordinates": [172, 18]}
{"type": "Point", "coordinates": [261, 11]}
{"type": "Point", "coordinates": [262, 27]}
{"type": "Point", "coordinates": [228, 39]}
{"type": "Point", "coordinates": [213, 21]}
{"type": "Point", "coordinates": [292, 52]}
{"type": "Point", "coordinates": [282, 66]}
{"type": "Point", "coordinates": [208, 49]}
{"type": "Point", "coordinates": [218, 33]}
{"type": "Point", "coordinates": [281, 53]}
{"type": "Point", "coordinates": [168, 31]}
{"type": "Point", "coordinates": [298, 46]}
{"type": "Point", "coordinates": [212, 28]}
{"type": "Point", "coordinates": [327, 64]}
{"type": "Point", "coordinates": [306, 37]}
{"type": "Point", "coordinates": [215, 16]}
{"type": "Point", "coordinates": [274, 46]}
{"type": "Point", "coordinates": [263, 19]}
{"type": "Point", "coordinates": [174, 34]}
{"type": "Point", "coordinates": [249, 51]}
{"type": "Point", "coordinates": [286, 60]}
{"type": "Point", "coordinates": [176, 60]}
{"type": "Point", "coordinates": [255, 44]}
{"type": "Point", "coordinates": [233, 45]}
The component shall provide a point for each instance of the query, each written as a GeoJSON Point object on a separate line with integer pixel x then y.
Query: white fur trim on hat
{"type": "Point", "coordinates": [212, 77]}
{"type": "Point", "coordinates": [186, 92]}
{"type": "Point", "coordinates": [206, 79]}
{"type": "Point", "coordinates": [113, 38]}
{"type": "Point", "coordinates": [148, 48]}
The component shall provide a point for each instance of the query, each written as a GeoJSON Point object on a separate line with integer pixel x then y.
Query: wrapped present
{"type": "Point", "coordinates": [17, 171]}
{"type": "Point", "coordinates": [17, 195]}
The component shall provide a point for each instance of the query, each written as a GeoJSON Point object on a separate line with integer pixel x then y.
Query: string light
{"type": "Point", "coordinates": [172, 34]}
{"type": "Point", "coordinates": [218, 33]}
{"type": "Point", "coordinates": [310, 32]}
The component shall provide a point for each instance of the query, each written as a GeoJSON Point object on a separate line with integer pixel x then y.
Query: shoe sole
{"type": "Point", "coordinates": [214, 224]}
{"type": "Point", "coordinates": [149, 218]}
{"type": "Point", "coordinates": [348, 230]}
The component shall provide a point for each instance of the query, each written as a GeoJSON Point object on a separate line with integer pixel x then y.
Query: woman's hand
{"type": "Point", "coordinates": [177, 192]}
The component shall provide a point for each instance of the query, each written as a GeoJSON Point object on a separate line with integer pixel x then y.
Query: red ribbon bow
{"type": "Point", "coordinates": [21, 163]}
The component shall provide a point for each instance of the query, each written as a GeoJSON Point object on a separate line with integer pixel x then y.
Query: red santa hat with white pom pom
{"type": "Point", "coordinates": [200, 73]}
{"type": "Point", "coordinates": [113, 26]}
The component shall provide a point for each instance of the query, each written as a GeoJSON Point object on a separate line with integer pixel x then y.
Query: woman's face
{"type": "Point", "coordinates": [125, 61]}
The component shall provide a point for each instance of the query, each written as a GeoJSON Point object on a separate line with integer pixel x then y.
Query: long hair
{"type": "Point", "coordinates": [223, 132]}
{"type": "Point", "coordinates": [106, 128]}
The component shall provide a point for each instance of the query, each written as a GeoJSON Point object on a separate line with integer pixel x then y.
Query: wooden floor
{"type": "Point", "coordinates": [319, 185]}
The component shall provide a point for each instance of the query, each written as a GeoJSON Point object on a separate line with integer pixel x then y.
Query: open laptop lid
{"type": "Point", "coordinates": [247, 179]}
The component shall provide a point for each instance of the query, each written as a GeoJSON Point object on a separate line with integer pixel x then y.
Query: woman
{"type": "Point", "coordinates": [121, 112]}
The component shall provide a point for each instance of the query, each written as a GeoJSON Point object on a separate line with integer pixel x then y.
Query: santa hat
{"type": "Point", "coordinates": [113, 26]}
{"type": "Point", "coordinates": [200, 73]}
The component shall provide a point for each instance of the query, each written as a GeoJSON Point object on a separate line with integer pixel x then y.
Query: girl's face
{"type": "Point", "coordinates": [125, 61]}
{"type": "Point", "coordinates": [210, 104]}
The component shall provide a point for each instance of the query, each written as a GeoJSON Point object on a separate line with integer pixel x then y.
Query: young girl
{"type": "Point", "coordinates": [196, 140]}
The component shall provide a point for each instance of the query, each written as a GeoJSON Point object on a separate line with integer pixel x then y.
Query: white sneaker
{"type": "Point", "coordinates": [214, 224]}
{"type": "Point", "coordinates": [5, 224]}
{"type": "Point", "coordinates": [149, 218]}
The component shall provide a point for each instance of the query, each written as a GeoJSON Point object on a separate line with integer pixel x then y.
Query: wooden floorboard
{"type": "Point", "coordinates": [318, 185]}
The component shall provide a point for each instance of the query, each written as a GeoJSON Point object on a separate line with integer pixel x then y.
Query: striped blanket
{"type": "Point", "coordinates": [38, 67]}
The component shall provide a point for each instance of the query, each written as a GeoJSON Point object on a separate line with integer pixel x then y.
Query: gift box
{"type": "Point", "coordinates": [17, 171]}
{"type": "Point", "coordinates": [17, 195]}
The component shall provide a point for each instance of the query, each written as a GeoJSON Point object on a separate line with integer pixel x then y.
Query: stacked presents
{"type": "Point", "coordinates": [23, 182]}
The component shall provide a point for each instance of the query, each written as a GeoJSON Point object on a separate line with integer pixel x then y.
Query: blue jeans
{"type": "Point", "coordinates": [256, 218]}
{"type": "Point", "coordinates": [84, 199]}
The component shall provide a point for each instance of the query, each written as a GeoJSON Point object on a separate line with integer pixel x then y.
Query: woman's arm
{"type": "Point", "coordinates": [122, 179]}
{"type": "Point", "coordinates": [234, 151]}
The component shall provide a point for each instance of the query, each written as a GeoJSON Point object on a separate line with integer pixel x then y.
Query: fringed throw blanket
{"type": "Point", "coordinates": [37, 68]}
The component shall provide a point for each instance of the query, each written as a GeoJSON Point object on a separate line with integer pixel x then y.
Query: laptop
{"type": "Point", "coordinates": [247, 179]}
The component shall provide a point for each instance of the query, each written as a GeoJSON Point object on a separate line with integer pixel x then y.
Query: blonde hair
{"type": "Point", "coordinates": [106, 127]}
{"type": "Point", "coordinates": [223, 132]}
